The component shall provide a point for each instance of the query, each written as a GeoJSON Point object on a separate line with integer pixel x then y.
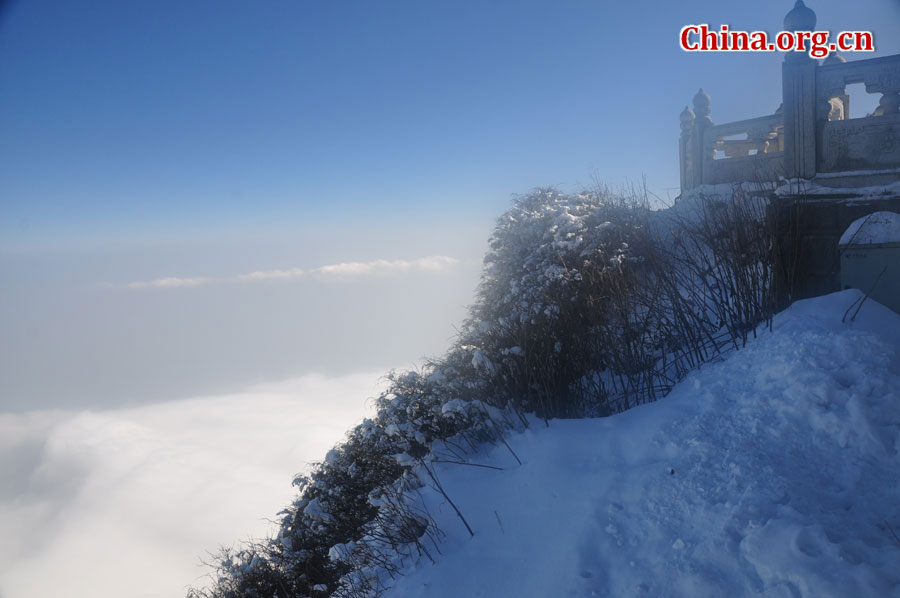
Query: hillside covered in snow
{"type": "Point", "coordinates": [622, 414]}
{"type": "Point", "coordinates": [773, 472]}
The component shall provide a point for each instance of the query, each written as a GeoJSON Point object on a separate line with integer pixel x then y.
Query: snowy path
{"type": "Point", "coordinates": [773, 473]}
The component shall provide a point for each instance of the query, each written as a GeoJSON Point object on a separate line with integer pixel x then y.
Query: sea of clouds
{"type": "Point", "coordinates": [126, 502]}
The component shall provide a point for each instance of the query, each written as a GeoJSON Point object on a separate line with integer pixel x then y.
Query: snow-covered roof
{"type": "Point", "coordinates": [877, 227]}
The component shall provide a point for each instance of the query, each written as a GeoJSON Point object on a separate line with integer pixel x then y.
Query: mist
{"type": "Point", "coordinates": [133, 323]}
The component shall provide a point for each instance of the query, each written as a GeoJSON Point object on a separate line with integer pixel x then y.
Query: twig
{"type": "Point", "coordinates": [855, 301]}
{"type": "Point", "coordinates": [467, 463]}
{"type": "Point", "coordinates": [872, 288]}
{"type": "Point", "coordinates": [440, 489]}
{"type": "Point", "coordinates": [509, 448]}
{"type": "Point", "coordinates": [886, 524]}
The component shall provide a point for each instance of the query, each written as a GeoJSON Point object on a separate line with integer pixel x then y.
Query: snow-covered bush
{"type": "Point", "coordinates": [357, 516]}
{"type": "Point", "coordinates": [730, 244]}
{"type": "Point", "coordinates": [544, 292]}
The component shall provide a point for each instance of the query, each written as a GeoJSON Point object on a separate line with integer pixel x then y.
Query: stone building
{"type": "Point", "coordinates": [821, 168]}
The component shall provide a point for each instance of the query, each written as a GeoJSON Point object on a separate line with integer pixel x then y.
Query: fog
{"type": "Point", "coordinates": [130, 323]}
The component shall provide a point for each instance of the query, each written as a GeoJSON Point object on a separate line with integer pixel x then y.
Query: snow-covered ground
{"type": "Point", "coordinates": [772, 473]}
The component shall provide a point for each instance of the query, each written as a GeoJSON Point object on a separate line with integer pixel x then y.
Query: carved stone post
{"type": "Point", "coordinates": [701, 123]}
{"type": "Point", "coordinates": [838, 106]}
{"type": "Point", "coordinates": [799, 95]}
{"type": "Point", "coordinates": [684, 150]}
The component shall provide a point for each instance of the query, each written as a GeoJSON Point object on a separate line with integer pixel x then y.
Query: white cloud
{"type": "Point", "coordinates": [125, 502]}
{"type": "Point", "coordinates": [170, 282]}
{"type": "Point", "coordinates": [289, 274]}
{"type": "Point", "coordinates": [343, 271]}
{"type": "Point", "coordinates": [347, 270]}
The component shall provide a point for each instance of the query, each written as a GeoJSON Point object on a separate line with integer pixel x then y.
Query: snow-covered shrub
{"type": "Point", "coordinates": [545, 289]}
{"type": "Point", "coordinates": [357, 515]}
{"type": "Point", "coordinates": [704, 283]}
{"type": "Point", "coordinates": [729, 247]}
{"type": "Point", "coordinates": [591, 303]}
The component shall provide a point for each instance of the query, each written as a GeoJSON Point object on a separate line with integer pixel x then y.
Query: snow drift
{"type": "Point", "coordinates": [773, 472]}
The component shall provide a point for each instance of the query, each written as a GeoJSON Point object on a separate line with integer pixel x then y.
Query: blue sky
{"type": "Point", "coordinates": [213, 139]}
{"type": "Point", "coordinates": [144, 117]}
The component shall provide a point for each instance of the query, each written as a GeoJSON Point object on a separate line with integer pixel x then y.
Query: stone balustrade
{"type": "Point", "coordinates": [746, 150]}
{"type": "Point", "coordinates": [811, 134]}
{"type": "Point", "coordinates": [871, 143]}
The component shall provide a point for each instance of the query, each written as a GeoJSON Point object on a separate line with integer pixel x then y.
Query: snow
{"type": "Point", "coordinates": [877, 227]}
{"type": "Point", "coordinates": [804, 187]}
{"type": "Point", "coordinates": [724, 191]}
{"type": "Point", "coordinates": [773, 472]}
{"type": "Point", "coordinates": [480, 360]}
{"type": "Point", "coordinates": [315, 510]}
{"type": "Point", "coordinates": [692, 205]}
{"type": "Point", "coordinates": [454, 406]}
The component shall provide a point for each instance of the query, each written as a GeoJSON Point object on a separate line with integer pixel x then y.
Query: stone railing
{"type": "Point", "coordinates": [860, 143]}
{"type": "Point", "coordinates": [811, 134]}
{"type": "Point", "coordinates": [745, 150]}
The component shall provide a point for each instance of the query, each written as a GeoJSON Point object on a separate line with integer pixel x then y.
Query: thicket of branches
{"type": "Point", "coordinates": [589, 304]}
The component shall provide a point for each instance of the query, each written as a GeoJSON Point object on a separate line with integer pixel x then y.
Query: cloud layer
{"type": "Point", "coordinates": [334, 272]}
{"type": "Point", "coordinates": [125, 502]}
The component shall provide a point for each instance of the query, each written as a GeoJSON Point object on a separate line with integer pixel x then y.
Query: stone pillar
{"type": "Point", "coordinates": [684, 150]}
{"type": "Point", "coordinates": [701, 123]}
{"type": "Point", "coordinates": [799, 96]}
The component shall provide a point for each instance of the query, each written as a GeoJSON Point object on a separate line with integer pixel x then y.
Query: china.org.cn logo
{"type": "Point", "coordinates": [819, 44]}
